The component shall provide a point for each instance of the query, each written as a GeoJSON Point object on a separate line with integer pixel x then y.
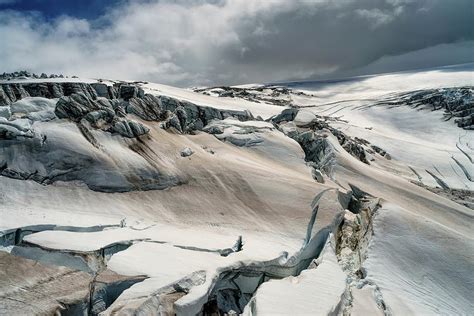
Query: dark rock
{"type": "Point", "coordinates": [186, 152]}
{"type": "Point", "coordinates": [16, 91]}
{"type": "Point", "coordinates": [120, 107]}
{"type": "Point", "coordinates": [172, 121]}
{"type": "Point", "coordinates": [192, 111]}
{"type": "Point", "coordinates": [112, 92]}
{"type": "Point", "coordinates": [169, 104]}
{"type": "Point", "coordinates": [56, 90]}
{"type": "Point", "coordinates": [286, 115]}
{"type": "Point", "coordinates": [240, 141]}
{"type": "Point", "coordinates": [19, 91]}
{"type": "Point", "coordinates": [79, 87]}
{"type": "Point", "coordinates": [197, 125]}
{"type": "Point", "coordinates": [356, 150]}
{"type": "Point", "coordinates": [182, 117]}
{"type": "Point", "coordinates": [127, 92]}
{"type": "Point", "coordinates": [4, 98]}
{"type": "Point", "coordinates": [353, 146]}
{"type": "Point", "coordinates": [456, 102]}
{"type": "Point", "coordinates": [128, 128]}
{"type": "Point", "coordinates": [378, 150]}
{"type": "Point", "coordinates": [147, 108]}
{"type": "Point", "coordinates": [466, 122]}
{"type": "Point", "coordinates": [208, 114]}
{"type": "Point", "coordinates": [102, 90]}
{"type": "Point", "coordinates": [75, 107]}
{"type": "Point", "coordinates": [240, 115]}
{"type": "Point", "coordinates": [41, 90]}
{"type": "Point", "coordinates": [214, 129]}
{"type": "Point", "coordinates": [268, 94]}
{"type": "Point", "coordinates": [104, 115]}
{"type": "Point", "coordinates": [10, 95]}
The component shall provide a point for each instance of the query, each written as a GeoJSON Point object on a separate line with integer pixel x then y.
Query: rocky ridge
{"type": "Point", "coordinates": [457, 103]}
{"type": "Point", "coordinates": [91, 108]}
{"type": "Point", "coordinates": [23, 74]}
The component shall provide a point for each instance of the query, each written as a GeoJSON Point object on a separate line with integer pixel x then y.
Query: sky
{"type": "Point", "coordinates": [222, 42]}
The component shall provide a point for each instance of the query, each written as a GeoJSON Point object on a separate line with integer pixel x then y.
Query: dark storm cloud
{"type": "Point", "coordinates": [353, 35]}
{"type": "Point", "coordinates": [237, 41]}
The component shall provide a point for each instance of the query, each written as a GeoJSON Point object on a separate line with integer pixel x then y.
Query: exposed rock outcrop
{"type": "Point", "coordinates": [242, 134]}
{"type": "Point", "coordinates": [97, 100]}
{"type": "Point", "coordinates": [48, 152]}
{"type": "Point", "coordinates": [76, 106]}
{"type": "Point", "coordinates": [270, 94]}
{"type": "Point", "coordinates": [354, 146]}
{"type": "Point", "coordinates": [186, 152]}
{"type": "Point", "coordinates": [11, 92]}
{"type": "Point", "coordinates": [105, 91]}
{"type": "Point", "coordinates": [457, 103]}
{"type": "Point", "coordinates": [24, 74]}
{"type": "Point", "coordinates": [183, 116]}
{"type": "Point", "coordinates": [130, 129]}
{"type": "Point", "coordinates": [147, 108]}
{"type": "Point", "coordinates": [128, 91]}
{"type": "Point", "coordinates": [286, 115]}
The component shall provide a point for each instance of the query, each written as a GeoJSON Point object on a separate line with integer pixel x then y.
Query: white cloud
{"type": "Point", "coordinates": [376, 16]}
{"type": "Point", "coordinates": [225, 41]}
{"type": "Point", "coordinates": [69, 27]}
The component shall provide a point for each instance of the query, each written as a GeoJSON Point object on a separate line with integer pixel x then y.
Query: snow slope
{"type": "Point", "coordinates": [340, 202]}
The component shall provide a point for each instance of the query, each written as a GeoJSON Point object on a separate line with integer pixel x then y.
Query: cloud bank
{"type": "Point", "coordinates": [240, 41]}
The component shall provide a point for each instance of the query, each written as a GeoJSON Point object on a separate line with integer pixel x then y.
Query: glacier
{"type": "Point", "coordinates": [343, 197]}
